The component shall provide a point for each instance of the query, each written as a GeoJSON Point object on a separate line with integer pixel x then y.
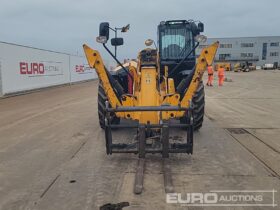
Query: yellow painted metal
{"type": "Point", "coordinates": [95, 61]}
{"type": "Point", "coordinates": [206, 58]}
{"type": "Point", "coordinates": [133, 72]}
{"type": "Point", "coordinates": [171, 100]}
{"type": "Point", "coordinates": [149, 95]}
{"type": "Point", "coordinates": [171, 86]}
{"type": "Point", "coordinates": [165, 77]}
{"type": "Point", "coordinates": [166, 71]}
{"type": "Point", "coordinates": [147, 91]}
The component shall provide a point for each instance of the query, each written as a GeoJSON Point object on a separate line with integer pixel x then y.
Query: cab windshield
{"type": "Point", "coordinates": [176, 43]}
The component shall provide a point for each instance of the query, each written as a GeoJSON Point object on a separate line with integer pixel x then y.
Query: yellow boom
{"type": "Point", "coordinates": [147, 92]}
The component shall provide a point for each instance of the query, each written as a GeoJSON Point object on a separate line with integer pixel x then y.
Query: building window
{"type": "Point", "coordinates": [264, 51]}
{"type": "Point", "coordinates": [225, 45]}
{"type": "Point", "coordinates": [202, 46]}
{"type": "Point", "coordinates": [247, 44]}
{"type": "Point", "coordinates": [273, 54]}
{"type": "Point", "coordinates": [224, 56]}
{"type": "Point", "coordinates": [274, 44]}
{"type": "Point", "coordinates": [247, 55]}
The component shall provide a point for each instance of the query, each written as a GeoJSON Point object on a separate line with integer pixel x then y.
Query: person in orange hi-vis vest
{"type": "Point", "coordinates": [221, 75]}
{"type": "Point", "coordinates": [210, 75]}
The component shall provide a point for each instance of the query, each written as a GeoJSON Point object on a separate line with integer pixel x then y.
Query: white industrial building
{"type": "Point", "coordinates": [255, 50]}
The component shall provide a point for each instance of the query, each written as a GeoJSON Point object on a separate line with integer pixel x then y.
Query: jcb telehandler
{"type": "Point", "coordinates": [165, 84]}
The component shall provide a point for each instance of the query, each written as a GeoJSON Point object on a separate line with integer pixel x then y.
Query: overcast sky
{"type": "Point", "coordinates": [64, 25]}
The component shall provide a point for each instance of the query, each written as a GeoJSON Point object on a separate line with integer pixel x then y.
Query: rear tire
{"type": "Point", "coordinates": [198, 105]}
{"type": "Point", "coordinates": [102, 98]}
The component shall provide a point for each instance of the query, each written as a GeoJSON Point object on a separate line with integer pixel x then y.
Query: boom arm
{"type": "Point", "coordinates": [206, 58]}
{"type": "Point", "coordinates": [95, 61]}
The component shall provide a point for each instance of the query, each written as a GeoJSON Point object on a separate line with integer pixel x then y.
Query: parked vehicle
{"type": "Point", "coordinates": [245, 67]}
{"type": "Point", "coordinates": [268, 66]}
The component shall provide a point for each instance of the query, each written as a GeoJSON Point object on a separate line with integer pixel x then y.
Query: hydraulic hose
{"type": "Point", "coordinates": [131, 77]}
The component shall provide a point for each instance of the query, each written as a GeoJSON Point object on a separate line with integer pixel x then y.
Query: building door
{"type": "Point", "coordinates": [264, 51]}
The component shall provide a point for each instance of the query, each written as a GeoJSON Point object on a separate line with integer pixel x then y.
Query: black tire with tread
{"type": "Point", "coordinates": [102, 98]}
{"type": "Point", "coordinates": [198, 104]}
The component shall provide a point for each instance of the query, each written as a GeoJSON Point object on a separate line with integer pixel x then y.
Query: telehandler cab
{"type": "Point", "coordinates": [166, 83]}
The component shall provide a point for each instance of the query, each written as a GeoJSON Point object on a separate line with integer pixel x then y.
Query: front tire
{"type": "Point", "coordinates": [102, 98]}
{"type": "Point", "coordinates": [198, 105]}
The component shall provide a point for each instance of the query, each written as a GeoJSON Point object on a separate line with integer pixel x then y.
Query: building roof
{"type": "Point", "coordinates": [249, 37]}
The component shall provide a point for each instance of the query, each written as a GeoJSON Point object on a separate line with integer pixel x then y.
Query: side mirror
{"type": "Point", "coordinates": [194, 29]}
{"type": "Point", "coordinates": [200, 27]}
{"type": "Point", "coordinates": [117, 41]}
{"type": "Point", "coordinates": [104, 30]}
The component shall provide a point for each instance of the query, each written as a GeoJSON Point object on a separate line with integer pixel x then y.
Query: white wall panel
{"type": "Point", "coordinates": [79, 69]}
{"type": "Point", "coordinates": [25, 68]}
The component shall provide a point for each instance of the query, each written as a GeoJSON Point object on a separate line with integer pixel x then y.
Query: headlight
{"type": "Point", "coordinates": [101, 39]}
{"type": "Point", "coordinates": [201, 38]}
{"type": "Point", "coordinates": [149, 42]}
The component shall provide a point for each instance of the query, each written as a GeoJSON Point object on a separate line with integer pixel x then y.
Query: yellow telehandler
{"type": "Point", "coordinates": [164, 84]}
